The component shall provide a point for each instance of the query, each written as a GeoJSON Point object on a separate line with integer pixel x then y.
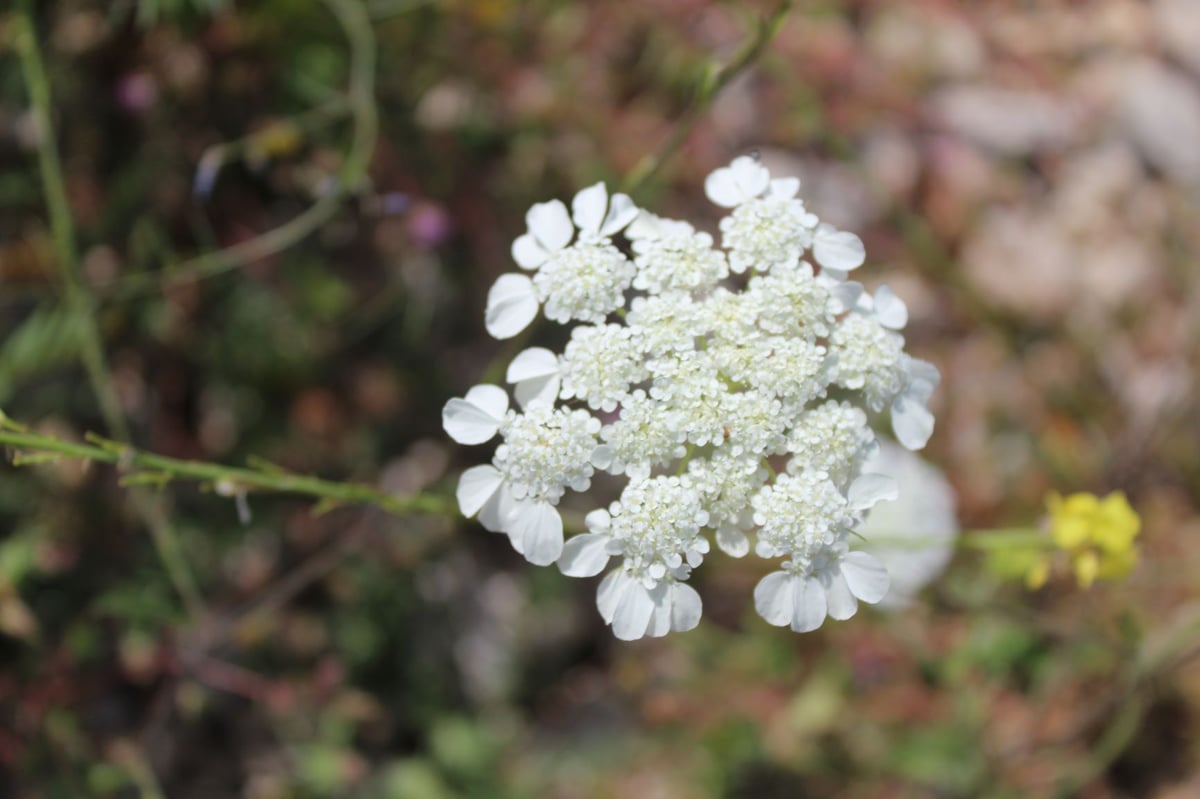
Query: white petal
{"type": "Point", "coordinates": [535, 374]}
{"type": "Point", "coordinates": [537, 531]}
{"type": "Point", "coordinates": [644, 225]}
{"type": "Point", "coordinates": [496, 513]}
{"type": "Point", "coordinates": [871, 488]}
{"type": "Point", "coordinates": [809, 605]}
{"type": "Point", "coordinates": [785, 188]}
{"type": "Point", "coordinates": [475, 418]}
{"type": "Point", "coordinates": [528, 253]}
{"type": "Point", "coordinates": [602, 457]}
{"type": "Point", "coordinates": [865, 575]}
{"type": "Point", "coordinates": [840, 250]}
{"type": "Point", "coordinates": [751, 176]}
{"type": "Point", "coordinates": [532, 364]}
{"type": "Point", "coordinates": [722, 188]}
{"type": "Point", "coordinates": [846, 295]}
{"type": "Point", "coordinates": [733, 542]}
{"type": "Point", "coordinates": [512, 304]}
{"type": "Point", "coordinates": [773, 598]}
{"type": "Point", "coordinates": [609, 594]}
{"type": "Point", "coordinates": [584, 555]}
{"type": "Point", "coordinates": [633, 612]}
{"type": "Point", "coordinates": [924, 372]}
{"type": "Point", "coordinates": [890, 310]}
{"type": "Point", "coordinates": [587, 209]}
{"type": "Point", "coordinates": [476, 486]}
{"type": "Point", "coordinates": [621, 211]}
{"type": "Point", "coordinates": [493, 400]}
{"type": "Point", "coordinates": [660, 619]}
{"type": "Point", "coordinates": [537, 392]}
{"type": "Point", "coordinates": [686, 607]}
{"type": "Point", "coordinates": [598, 521]}
{"type": "Point", "coordinates": [841, 602]}
{"type": "Point", "coordinates": [551, 224]}
{"type": "Point", "coordinates": [923, 378]}
{"type": "Point", "coordinates": [911, 422]}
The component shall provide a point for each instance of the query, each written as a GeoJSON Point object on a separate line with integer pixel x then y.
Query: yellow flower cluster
{"type": "Point", "coordinates": [1097, 533]}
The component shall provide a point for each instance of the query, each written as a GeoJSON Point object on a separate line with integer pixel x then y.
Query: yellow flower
{"type": "Point", "coordinates": [1098, 534]}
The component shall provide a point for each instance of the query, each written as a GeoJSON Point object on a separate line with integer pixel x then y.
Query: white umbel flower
{"type": "Point", "coordinates": [695, 388]}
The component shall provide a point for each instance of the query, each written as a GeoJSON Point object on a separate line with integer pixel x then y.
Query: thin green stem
{"type": "Point", "coordinates": [61, 226]}
{"type": "Point", "coordinates": [80, 303]}
{"type": "Point", "coordinates": [356, 26]}
{"type": "Point", "coordinates": [711, 85]}
{"type": "Point", "coordinates": [234, 257]}
{"type": "Point", "coordinates": [141, 466]}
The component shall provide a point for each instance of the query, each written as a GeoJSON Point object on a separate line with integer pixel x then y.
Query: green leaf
{"type": "Point", "coordinates": [47, 340]}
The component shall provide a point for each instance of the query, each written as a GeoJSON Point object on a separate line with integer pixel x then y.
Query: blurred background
{"type": "Point", "coordinates": [1025, 176]}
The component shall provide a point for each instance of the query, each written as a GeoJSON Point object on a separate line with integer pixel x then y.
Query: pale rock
{"type": "Point", "coordinates": [1159, 109]}
{"type": "Point", "coordinates": [1022, 261]}
{"type": "Point", "coordinates": [1013, 122]}
{"type": "Point", "coordinates": [1177, 23]}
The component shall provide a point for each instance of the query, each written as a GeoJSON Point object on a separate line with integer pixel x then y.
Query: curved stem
{"type": "Point", "coordinates": [356, 26]}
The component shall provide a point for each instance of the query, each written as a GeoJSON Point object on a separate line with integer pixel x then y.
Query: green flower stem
{"type": "Point", "coordinates": [712, 83]}
{"type": "Point", "coordinates": [1006, 538]}
{"type": "Point", "coordinates": [146, 467]}
{"type": "Point", "coordinates": [80, 303]}
{"type": "Point", "coordinates": [364, 114]}
{"type": "Point", "coordinates": [61, 227]}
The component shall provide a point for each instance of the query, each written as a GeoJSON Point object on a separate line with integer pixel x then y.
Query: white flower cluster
{"type": "Point", "coordinates": [730, 385]}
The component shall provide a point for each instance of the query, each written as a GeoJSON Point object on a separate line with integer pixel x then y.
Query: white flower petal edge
{"type": "Point", "coordinates": [528, 253]}
{"type": "Point", "coordinates": [740, 182]}
{"type": "Point", "coordinates": [594, 214]}
{"type": "Point", "coordinates": [534, 374]}
{"type": "Point", "coordinates": [536, 531]}
{"type": "Point", "coordinates": [865, 575]}
{"type": "Point", "coordinates": [911, 420]}
{"type": "Point", "coordinates": [839, 599]}
{"type": "Point", "coordinates": [481, 490]}
{"type": "Point", "coordinates": [621, 212]}
{"type": "Point", "coordinates": [733, 542]}
{"type": "Point", "coordinates": [588, 207]}
{"type": "Point", "coordinates": [677, 608]}
{"type": "Point", "coordinates": [475, 418]}
{"type": "Point", "coordinates": [512, 304]}
{"type": "Point", "coordinates": [476, 487]}
{"type": "Point", "coordinates": [551, 225]}
{"type": "Point", "coordinates": [868, 489]}
{"type": "Point", "coordinates": [625, 603]}
{"type": "Point", "coordinates": [838, 250]}
{"type": "Point", "coordinates": [785, 599]}
{"type": "Point", "coordinates": [584, 555]}
{"type": "Point", "coordinates": [785, 188]}
{"type": "Point", "coordinates": [890, 310]}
